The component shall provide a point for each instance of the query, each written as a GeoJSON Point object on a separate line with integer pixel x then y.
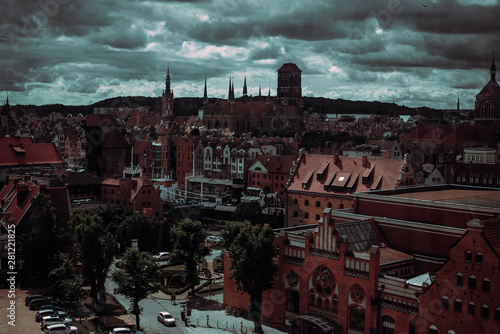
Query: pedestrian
{"type": "Point", "coordinates": [174, 296]}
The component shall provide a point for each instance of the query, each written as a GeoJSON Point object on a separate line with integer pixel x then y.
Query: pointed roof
{"type": "Point", "coordinates": [245, 86]}
{"type": "Point", "coordinates": [289, 67]}
{"type": "Point", "coordinates": [205, 95]}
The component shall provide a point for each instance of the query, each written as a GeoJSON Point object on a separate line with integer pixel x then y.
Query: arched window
{"type": "Point", "coordinates": [295, 214]}
{"type": "Point", "coordinates": [472, 282]}
{"type": "Point", "coordinates": [479, 258]}
{"type": "Point", "coordinates": [486, 284]}
{"type": "Point", "coordinates": [433, 329]}
{"type": "Point", "coordinates": [458, 305]}
{"type": "Point", "coordinates": [326, 304]}
{"type": "Point", "coordinates": [357, 294]}
{"type": "Point", "coordinates": [317, 217]}
{"type": "Point", "coordinates": [357, 318]}
{"type": "Point", "coordinates": [445, 302]}
{"type": "Point", "coordinates": [318, 204]}
{"type": "Point", "coordinates": [295, 201]}
{"type": "Point", "coordinates": [341, 206]}
{"type": "Point", "coordinates": [468, 256]}
{"type": "Point", "coordinates": [450, 331]}
{"type": "Point", "coordinates": [312, 297]}
{"type": "Point", "coordinates": [471, 308]}
{"type": "Point", "coordinates": [306, 215]}
{"type": "Point", "coordinates": [497, 314]}
{"type": "Point", "coordinates": [485, 311]}
{"type": "Point", "coordinates": [293, 301]}
{"type": "Point", "coordinates": [329, 205]}
{"type": "Point", "coordinates": [335, 304]}
{"type": "Point", "coordinates": [388, 325]}
{"type": "Point", "coordinates": [459, 279]}
{"type": "Point", "coordinates": [306, 202]}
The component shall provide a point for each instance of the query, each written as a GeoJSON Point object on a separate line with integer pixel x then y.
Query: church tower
{"type": "Point", "coordinates": [487, 107]}
{"type": "Point", "coordinates": [289, 83]}
{"type": "Point", "coordinates": [167, 106]}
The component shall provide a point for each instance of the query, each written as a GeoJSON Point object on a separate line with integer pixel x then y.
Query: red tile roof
{"type": "Point", "coordinates": [346, 172]}
{"type": "Point", "coordinates": [491, 233]}
{"type": "Point", "coordinates": [289, 67]}
{"type": "Point", "coordinates": [22, 153]}
{"type": "Point", "coordinates": [12, 207]}
{"type": "Point", "coordinates": [492, 89]}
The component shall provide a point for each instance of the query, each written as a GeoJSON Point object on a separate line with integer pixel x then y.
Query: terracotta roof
{"type": "Point", "coordinates": [29, 154]}
{"type": "Point", "coordinates": [491, 233]}
{"type": "Point", "coordinates": [275, 164]}
{"type": "Point", "coordinates": [289, 67]}
{"type": "Point", "coordinates": [492, 89]}
{"type": "Point", "coordinates": [13, 206]}
{"type": "Point", "coordinates": [348, 171]}
{"type": "Point", "coordinates": [97, 120]}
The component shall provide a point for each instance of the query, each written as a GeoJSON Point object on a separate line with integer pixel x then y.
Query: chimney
{"type": "Point", "coordinates": [335, 158]}
{"type": "Point", "coordinates": [22, 193]}
{"type": "Point", "coordinates": [364, 160]}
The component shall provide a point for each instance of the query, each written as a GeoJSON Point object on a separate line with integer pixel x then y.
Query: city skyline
{"type": "Point", "coordinates": [415, 53]}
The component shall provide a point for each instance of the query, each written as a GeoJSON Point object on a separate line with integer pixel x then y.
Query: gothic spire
{"type": "Point", "coordinates": [458, 102]}
{"type": "Point", "coordinates": [260, 90]}
{"type": "Point", "coordinates": [245, 85]}
{"type": "Point", "coordinates": [167, 81]}
{"type": "Point", "coordinates": [229, 93]}
{"type": "Point", "coordinates": [493, 68]}
{"type": "Point", "coordinates": [205, 95]}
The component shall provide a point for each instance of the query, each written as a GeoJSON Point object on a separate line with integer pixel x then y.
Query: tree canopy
{"type": "Point", "coordinates": [250, 211]}
{"type": "Point", "coordinates": [63, 278]}
{"type": "Point", "coordinates": [251, 252]}
{"type": "Point", "coordinates": [189, 248]}
{"type": "Point", "coordinates": [136, 279]}
{"type": "Point", "coordinates": [95, 248]}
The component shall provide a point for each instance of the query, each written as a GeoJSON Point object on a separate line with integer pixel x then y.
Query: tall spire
{"type": "Point", "coordinates": [269, 93]}
{"type": "Point", "coordinates": [260, 90]}
{"type": "Point", "coordinates": [167, 81]}
{"type": "Point", "coordinates": [229, 92]}
{"type": "Point", "coordinates": [458, 102]}
{"type": "Point", "coordinates": [493, 68]}
{"type": "Point", "coordinates": [205, 95]}
{"type": "Point", "coordinates": [245, 84]}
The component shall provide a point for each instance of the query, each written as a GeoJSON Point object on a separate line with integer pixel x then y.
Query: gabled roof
{"type": "Point", "coordinates": [13, 206]}
{"type": "Point", "coordinates": [492, 89]}
{"type": "Point", "coordinates": [491, 233]}
{"type": "Point", "coordinates": [337, 177]}
{"type": "Point", "coordinates": [22, 153]}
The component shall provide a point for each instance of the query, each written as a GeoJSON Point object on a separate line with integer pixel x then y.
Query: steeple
{"type": "Point", "coordinates": [245, 85]}
{"type": "Point", "coordinates": [458, 102]}
{"type": "Point", "coordinates": [229, 93]}
{"type": "Point", "coordinates": [167, 81]}
{"type": "Point", "coordinates": [260, 91]}
{"type": "Point", "coordinates": [269, 93]}
{"type": "Point", "coordinates": [205, 95]}
{"type": "Point", "coordinates": [493, 68]}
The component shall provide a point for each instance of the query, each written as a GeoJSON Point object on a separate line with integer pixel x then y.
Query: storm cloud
{"type": "Point", "coordinates": [416, 53]}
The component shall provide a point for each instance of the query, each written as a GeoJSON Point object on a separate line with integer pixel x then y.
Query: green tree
{"type": "Point", "coordinates": [44, 238]}
{"type": "Point", "coordinates": [95, 248]}
{"type": "Point", "coordinates": [251, 251]}
{"type": "Point", "coordinates": [189, 248]}
{"type": "Point", "coordinates": [250, 211]}
{"type": "Point", "coordinates": [152, 233]}
{"type": "Point", "coordinates": [136, 279]}
{"type": "Point", "coordinates": [64, 280]}
{"type": "Point", "coordinates": [115, 217]}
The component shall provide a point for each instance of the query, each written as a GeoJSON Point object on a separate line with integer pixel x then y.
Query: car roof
{"type": "Point", "coordinates": [164, 313]}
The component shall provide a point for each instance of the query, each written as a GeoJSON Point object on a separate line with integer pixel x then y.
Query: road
{"type": "Point", "coordinates": [151, 307]}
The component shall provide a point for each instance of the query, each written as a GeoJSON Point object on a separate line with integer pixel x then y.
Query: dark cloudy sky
{"type": "Point", "coordinates": [415, 52]}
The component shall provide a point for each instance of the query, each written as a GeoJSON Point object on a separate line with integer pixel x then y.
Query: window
{"type": "Point", "coordinates": [335, 304]}
{"type": "Point", "coordinates": [497, 314]}
{"type": "Point", "coordinates": [479, 258]}
{"type": "Point", "coordinates": [306, 215]}
{"type": "Point", "coordinates": [471, 308]}
{"type": "Point", "coordinates": [357, 318]}
{"type": "Point", "coordinates": [459, 279]}
{"type": "Point", "coordinates": [486, 284]}
{"type": "Point", "coordinates": [458, 305]}
{"type": "Point", "coordinates": [318, 204]}
{"type": "Point", "coordinates": [295, 214]}
{"type": "Point", "coordinates": [306, 202]}
{"type": "Point", "coordinates": [295, 201]}
{"type": "Point", "coordinates": [445, 302]}
{"type": "Point", "coordinates": [293, 301]}
{"type": "Point", "coordinates": [388, 325]}
{"type": "Point", "coordinates": [472, 282]}
{"type": "Point", "coordinates": [412, 327]}
{"type": "Point", "coordinates": [468, 256]}
{"type": "Point", "coordinates": [317, 217]}
{"type": "Point", "coordinates": [485, 311]}
{"type": "Point", "coordinates": [433, 329]}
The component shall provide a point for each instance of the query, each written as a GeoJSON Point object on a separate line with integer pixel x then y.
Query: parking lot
{"type": "Point", "coordinates": [24, 318]}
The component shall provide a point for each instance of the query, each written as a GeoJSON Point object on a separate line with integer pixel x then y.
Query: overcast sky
{"type": "Point", "coordinates": [413, 52]}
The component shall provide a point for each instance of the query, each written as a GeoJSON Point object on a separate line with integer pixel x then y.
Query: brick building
{"type": "Point", "coordinates": [330, 181]}
{"type": "Point", "coordinates": [270, 173]}
{"type": "Point", "coordinates": [137, 193]}
{"type": "Point", "coordinates": [355, 272]}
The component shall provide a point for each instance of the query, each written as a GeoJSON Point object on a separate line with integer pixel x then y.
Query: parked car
{"type": "Point", "coordinates": [214, 239]}
{"type": "Point", "coordinates": [61, 329]}
{"type": "Point", "coordinates": [35, 304]}
{"type": "Point", "coordinates": [29, 298]}
{"type": "Point", "coordinates": [166, 318]}
{"type": "Point", "coordinates": [161, 256]}
{"type": "Point", "coordinates": [51, 307]}
{"type": "Point", "coordinates": [43, 313]}
{"type": "Point", "coordinates": [54, 319]}
{"type": "Point", "coordinates": [121, 330]}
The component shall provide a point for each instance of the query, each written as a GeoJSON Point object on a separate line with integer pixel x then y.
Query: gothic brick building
{"type": "Point", "coordinates": [370, 271]}
{"type": "Point", "coordinates": [268, 117]}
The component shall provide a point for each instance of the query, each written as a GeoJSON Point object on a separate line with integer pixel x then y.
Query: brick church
{"type": "Point", "coordinates": [268, 116]}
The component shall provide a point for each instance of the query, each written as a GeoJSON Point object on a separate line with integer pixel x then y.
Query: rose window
{"type": "Point", "coordinates": [357, 294]}
{"type": "Point", "coordinates": [292, 279]}
{"type": "Point", "coordinates": [323, 281]}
